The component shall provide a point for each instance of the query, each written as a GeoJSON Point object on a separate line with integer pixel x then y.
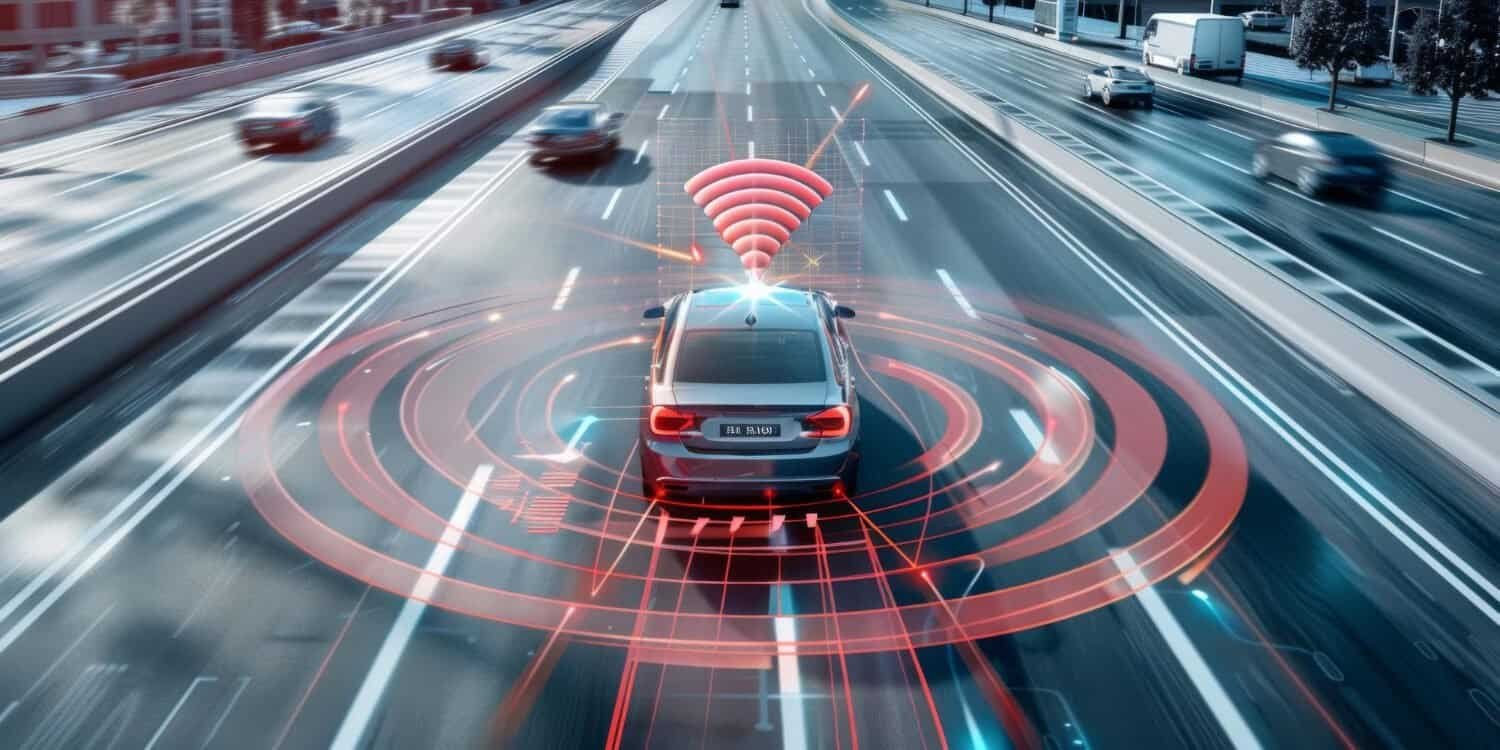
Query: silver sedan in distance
{"type": "Point", "coordinates": [750, 396]}
{"type": "Point", "coordinates": [574, 129]}
{"type": "Point", "coordinates": [1120, 84]}
{"type": "Point", "coordinates": [295, 120]}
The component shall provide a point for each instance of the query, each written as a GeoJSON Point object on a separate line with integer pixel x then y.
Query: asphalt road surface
{"type": "Point", "coordinates": [93, 216]}
{"type": "Point", "coordinates": [1421, 253]}
{"type": "Point", "coordinates": [384, 497]}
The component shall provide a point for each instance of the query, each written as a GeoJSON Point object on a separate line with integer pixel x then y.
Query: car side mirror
{"type": "Point", "coordinates": [841, 311]}
{"type": "Point", "coordinates": [653, 313]}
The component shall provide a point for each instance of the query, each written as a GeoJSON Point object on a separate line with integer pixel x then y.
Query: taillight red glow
{"type": "Point", "coordinates": [833, 422]}
{"type": "Point", "coordinates": [294, 123]}
{"type": "Point", "coordinates": [669, 422]}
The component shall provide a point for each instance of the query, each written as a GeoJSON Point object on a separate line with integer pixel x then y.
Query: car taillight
{"type": "Point", "coordinates": [294, 123]}
{"type": "Point", "coordinates": [669, 422]}
{"type": "Point", "coordinates": [832, 422]}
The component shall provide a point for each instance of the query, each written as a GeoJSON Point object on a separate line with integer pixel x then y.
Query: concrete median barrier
{"type": "Point", "coordinates": [1451, 419]}
{"type": "Point", "coordinates": [60, 361]}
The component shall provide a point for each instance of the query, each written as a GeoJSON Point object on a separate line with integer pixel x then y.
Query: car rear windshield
{"type": "Point", "coordinates": [567, 118]}
{"type": "Point", "coordinates": [750, 356]}
{"type": "Point", "coordinates": [278, 106]}
{"type": "Point", "coordinates": [1129, 75]}
{"type": "Point", "coordinates": [1345, 144]}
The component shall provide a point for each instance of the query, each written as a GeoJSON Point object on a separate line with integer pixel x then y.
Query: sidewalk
{"type": "Point", "coordinates": [1390, 107]}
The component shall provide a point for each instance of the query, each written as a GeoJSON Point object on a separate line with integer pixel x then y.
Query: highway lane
{"type": "Point", "coordinates": [86, 224]}
{"type": "Point", "coordinates": [1310, 608]}
{"type": "Point", "coordinates": [1387, 106]}
{"type": "Point", "coordinates": [1423, 253]}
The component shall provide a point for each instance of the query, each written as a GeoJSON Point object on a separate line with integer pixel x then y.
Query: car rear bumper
{"type": "Point", "coordinates": [562, 152]}
{"type": "Point", "coordinates": [675, 470]}
{"type": "Point", "coordinates": [271, 137]}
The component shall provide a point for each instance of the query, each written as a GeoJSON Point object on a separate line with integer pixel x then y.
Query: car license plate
{"type": "Point", "coordinates": [749, 430]}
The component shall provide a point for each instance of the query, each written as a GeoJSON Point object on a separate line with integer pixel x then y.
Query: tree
{"type": "Point", "coordinates": [992, 4]}
{"type": "Point", "coordinates": [1456, 52]}
{"type": "Point", "coordinates": [1330, 35]}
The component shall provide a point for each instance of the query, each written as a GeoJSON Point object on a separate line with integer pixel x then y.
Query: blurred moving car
{"type": "Point", "coordinates": [459, 54]}
{"type": "Point", "coordinates": [298, 120]}
{"type": "Point", "coordinates": [572, 129]}
{"type": "Point", "coordinates": [1320, 161]}
{"type": "Point", "coordinates": [1264, 20]}
{"type": "Point", "coordinates": [729, 3]}
{"type": "Point", "coordinates": [750, 394]}
{"type": "Point", "coordinates": [1120, 84]}
{"type": "Point", "coordinates": [1376, 73]}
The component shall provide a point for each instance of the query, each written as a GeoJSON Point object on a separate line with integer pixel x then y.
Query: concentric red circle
{"type": "Point", "coordinates": [568, 542]}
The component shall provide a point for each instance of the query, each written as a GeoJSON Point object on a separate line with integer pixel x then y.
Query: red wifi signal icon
{"type": "Point", "coordinates": [756, 204]}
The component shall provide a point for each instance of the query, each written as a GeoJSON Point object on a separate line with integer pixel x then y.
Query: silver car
{"type": "Point", "coordinates": [1120, 84]}
{"type": "Point", "coordinates": [573, 129]}
{"type": "Point", "coordinates": [295, 120]}
{"type": "Point", "coordinates": [750, 395]}
{"type": "Point", "coordinates": [1264, 20]}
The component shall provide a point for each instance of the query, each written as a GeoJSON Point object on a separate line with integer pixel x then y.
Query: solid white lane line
{"type": "Point", "coordinates": [663, 112]}
{"type": "Point", "coordinates": [1235, 167]}
{"type": "Point", "coordinates": [1005, 70]}
{"type": "Point", "coordinates": [1234, 133]}
{"type": "Point", "coordinates": [1219, 704]}
{"type": "Point", "coordinates": [821, 92]}
{"type": "Point", "coordinates": [8, 710]}
{"type": "Point", "coordinates": [640, 152]}
{"type": "Point", "coordinates": [858, 149]}
{"type": "Point", "coordinates": [610, 208]}
{"type": "Point", "coordinates": [749, 113]}
{"type": "Point", "coordinates": [383, 668]}
{"type": "Point", "coordinates": [1433, 253]}
{"type": "Point", "coordinates": [891, 199]}
{"type": "Point", "coordinates": [567, 288]}
{"type": "Point", "coordinates": [233, 699]}
{"type": "Point", "coordinates": [675, 84]}
{"type": "Point", "coordinates": [958, 295]}
{"type": "Point", "coordinates": [1035, 82]}
{"type": "Point", "coordinates": [835, 112]}
{"type": "Point", "coordinates": [1434, 206]}
{"type": "Point", "coordinates": [789, 684]}
{"type": "Point", "coordinates": [161, 730]}
{"type": "Point", "coordinates": [752, 149]}
{"type": "Point", "coordinates": [1034, 435]}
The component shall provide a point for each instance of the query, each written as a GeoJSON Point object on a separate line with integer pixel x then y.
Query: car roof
{"type": "Point", "coordinates": [1189, 17]}
{"type": "Point", "coordinates": [562, 106]}
{"type": "Point", "coordinates": [727, 308]}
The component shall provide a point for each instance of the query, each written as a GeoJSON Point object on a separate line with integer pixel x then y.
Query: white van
{"type": "Point", "coordinates": [1195, 44]}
